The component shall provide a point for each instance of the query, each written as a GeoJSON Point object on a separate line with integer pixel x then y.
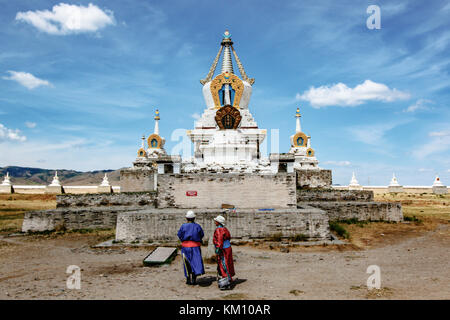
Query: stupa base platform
{"type": "Point", "coordinates": [163, 224]}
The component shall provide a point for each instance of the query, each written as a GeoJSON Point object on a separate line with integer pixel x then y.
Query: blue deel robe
{"type": "Point", "coordinates": [192, 231]}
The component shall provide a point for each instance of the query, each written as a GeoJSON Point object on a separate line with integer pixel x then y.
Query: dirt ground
{"type": "Point", "coordinates": [414, 259]}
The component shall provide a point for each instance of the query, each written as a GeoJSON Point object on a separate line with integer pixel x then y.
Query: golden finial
{"type": "Point", "coordinates": [157, 114]}
{"type": "Point", "coordinates": [298, 113]}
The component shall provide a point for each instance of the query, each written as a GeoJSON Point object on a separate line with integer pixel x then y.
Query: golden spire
{"type": "Point", "coordinates": [297, 114]}
{"type": "Point", "coordinates": [157, 114]}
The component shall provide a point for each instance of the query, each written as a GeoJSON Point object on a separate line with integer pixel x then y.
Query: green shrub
{"type": "Point", "coordinates": [339, 229]}
{"type": "Point", "coordinates": [275, 237]}
{"type": "Point", "coordinates": [299, 237]}
{"type": "Point", "coordinates": [412, 219]}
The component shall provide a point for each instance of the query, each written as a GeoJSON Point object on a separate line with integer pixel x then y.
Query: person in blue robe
{"type": "Point", "coordinates": [190, 235]}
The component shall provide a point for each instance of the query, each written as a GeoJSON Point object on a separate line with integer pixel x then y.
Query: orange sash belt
{"type": "Point", "coordinates": [190, 244]}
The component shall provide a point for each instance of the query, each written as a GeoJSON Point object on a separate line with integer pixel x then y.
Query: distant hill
{"type": "Point", "coordinates": [37, 176]}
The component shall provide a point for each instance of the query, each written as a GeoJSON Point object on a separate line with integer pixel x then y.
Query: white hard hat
{"type": "Point", "coordinates": [220, 219]}
{"type": "Point", "coordinates": [190, 214]}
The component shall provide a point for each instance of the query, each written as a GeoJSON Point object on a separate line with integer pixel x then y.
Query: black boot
{"type": "Point", "coordinates": [188, 280]}
{"type": "Point", "coordinates": [194, 280]}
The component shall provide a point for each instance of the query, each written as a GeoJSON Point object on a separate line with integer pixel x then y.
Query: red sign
{"type": "Point", "coordinates": [191, 193]}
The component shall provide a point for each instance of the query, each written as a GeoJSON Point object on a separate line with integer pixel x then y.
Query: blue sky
{"type": "Point", "coordinates": [80, 96]}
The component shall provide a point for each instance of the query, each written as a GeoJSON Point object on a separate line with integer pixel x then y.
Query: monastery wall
{"type": "Point", "coordinates": [137, 180]}
{"type": "Point", "coordinates": [385, 189]}
{"type": "Point", "coordinates": [147, 199]}
{"type": "Point", "coordinates": [163, 224]}
{"type": "Point", "coordinates": [73, 218]}
{"type": "Point", "coordinates": [42, 189]}
{"type": "Point", "coordinates": [313, 178]}
{"type": "Point", "coordinates": [333, 195]}
{"type": "Point", "coordinates": [362, 211]}
{"type": "Point", "coordinates": [203, 190]}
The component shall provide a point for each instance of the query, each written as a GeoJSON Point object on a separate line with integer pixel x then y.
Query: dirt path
{"type": "Point", "coordinates": [411, 268]}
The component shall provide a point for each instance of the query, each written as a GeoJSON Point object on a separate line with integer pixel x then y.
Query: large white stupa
{"type": "Point", "coordinates": [226, 137]}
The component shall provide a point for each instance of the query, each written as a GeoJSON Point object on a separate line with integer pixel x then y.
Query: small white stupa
{"type": "Point", "coordinates": [104, 187]}
{"type": "Point", "coordinates": [54, 187]}
{"type": "Point", "coordinates": [354, 184]}
{"type": "Point", "coordinates": [437, 182]}
{"type": "Point", "coordinates": [6, 180]}
{"type": "Point", "coordinates": [394, 186]}
{"type": "Point", "coordinates": [438, 187]}
{"type": "Point", "coordinates": [55, 181]}
{"type": "Point", "coordinates": [105, 181]}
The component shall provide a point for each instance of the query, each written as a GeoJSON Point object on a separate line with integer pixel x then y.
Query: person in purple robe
{"type": "Point", "coordinates": [190, 235]}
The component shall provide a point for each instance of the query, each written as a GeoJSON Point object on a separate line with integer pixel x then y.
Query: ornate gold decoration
{"type": "Point", "coordinates": [141, 153]}
{"type": "Point", "coordinates": [235, 83]}
{"type": "Point", "coordinates": [157, 115]}
{"type": "Point", "coordinates": [310, 152]}
{"type": "Point", "coordinates": [154, 141]}
{"type": "Point", "coordinates": [228, 117]}
{"type": "Point", "coordinates": [300, 140]}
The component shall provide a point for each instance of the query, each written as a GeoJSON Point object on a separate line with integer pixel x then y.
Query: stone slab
{"type": "Point", "coordinates": [160, 255]}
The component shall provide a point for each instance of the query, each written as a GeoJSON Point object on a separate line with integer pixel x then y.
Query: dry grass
{"type": "Point", "coordinates": [235, 296]}
{"type": "Point", "coordinates": [296, 292]}
{"type": "Point", "coordinates": [13, 206]}
{"type": "Point", "coordinates": [384, 292]}
{"type": "Point", "coordinates": [426, 212]}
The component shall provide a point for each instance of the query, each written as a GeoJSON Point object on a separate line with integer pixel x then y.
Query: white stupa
{"type": "Point", "coordinates": [438, 187]}
{"type": "Point", "coordinates": [226, 137]}
{"type": "Point", "coordinates": [55, 181]}
{"type": "Point", "coordinates": [354, 184]}
{"type": "Point", "coordinates": [304, 155]}
{"type": "Point", "coordinates": [437, 182]}
{"type": "Point", "coordinates": [105, 181]}
{"type": "Point", "coordinates": [394, 182]}
{"type": "Point", "coordinates": [6, 180]}
{"type": "Point", "coordinates": [394, 186]}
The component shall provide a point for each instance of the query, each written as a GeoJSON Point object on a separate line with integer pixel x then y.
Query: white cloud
{"type": "Point", "coordinates": [439, 142]}
{"type": "Point", "coordinates": [374, 134]}
{"type": "Point", "coordinates": [341, 95]}
{"type": "Point", "coordinates": [421, 104]}
{"type": "Point", "coordinates": [26, 79]}
{"type": "Point", "coordinates": [424, 170]}
{"type": "Point", "coordinates": [10, 134]}
{"type": "Point", "coordinates": [338, 163]}
{"type": "Point", "coordinates": [67, 19]}
{"type": "Point", "coordinates": [30, 125]}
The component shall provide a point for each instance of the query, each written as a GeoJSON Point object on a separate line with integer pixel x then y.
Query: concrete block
{"type": "Point", "coordinates": [440, 190]}
{"type": "Point", "coordinates": [6, 189]}
{"type": "Point", "coordinates": [395, 189]}
{"type": "Point", "coordinates": [104, 189]}
{"type": "Point", "coordinates": [54, 189]}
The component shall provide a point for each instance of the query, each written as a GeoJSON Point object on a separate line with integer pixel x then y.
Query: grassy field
{"type": "Point", "coordinates": [13, 207]}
